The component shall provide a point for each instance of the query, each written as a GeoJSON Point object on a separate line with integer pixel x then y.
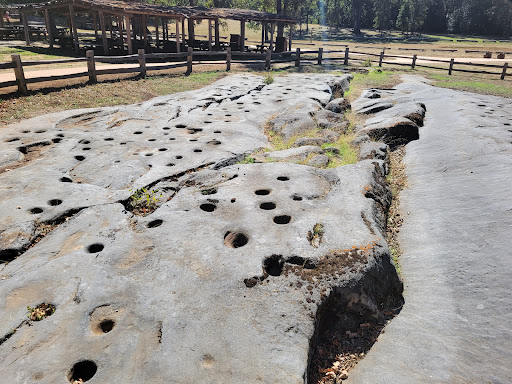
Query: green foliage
{"type": "Point", "coordinates": [40, 312]}
{"type": "Point", "coordinates": [366, 63]}
{"type": "Point", "coordinates": [247, 160]}
{"type": "Point", "coordinates": [268, 78]}
{"type": "Point", "coordinates": [144, 200]}
{"type": "Point", "coordinates": [209, 191]}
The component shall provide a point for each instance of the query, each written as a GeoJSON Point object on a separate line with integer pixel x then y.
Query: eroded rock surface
{"type": "Point", "coordinates": [227, 279]}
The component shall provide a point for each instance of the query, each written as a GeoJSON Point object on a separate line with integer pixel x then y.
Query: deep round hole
{"type": "Point", "coordinates": [82, 371]}
{"type": "Point", "coordinates": [172, 138]}
{"type": "Point", "coordinates": [95, 248]}
{"type": "Point", "coordinates": [297, 198]}
{"type": "Point", "coordinates": [283, 178]}
{"type": "Point", "coordinates": [262, 192]}
{"type": "Point", "coordinates": [122, 143]}
{"type": "Point", "coordinates": [86, 148]}
{"type": "Point", "coordinates": [80, 158]}
{"type": "Point", "coordinates": [282, 219]}
{"type": "Point", "coordinates": [65, 180]}
{"type": "Point", "coordinates": [148, 154]}
{"type": "Point", "coordinates": [207, 122]}
{"type": "Point", "coordinates": [162, 149]}
{"type": "Point", "coordinates": [193, 140]}
{"type": "Point", "coordinates": [36, 210]}
{"type": "Point", "coordinates": [171, 164]}
{"type": "Point", "coordinates": [155, 223]}
{"type": "Point", "coordinates": [137, 132]}
{"type": "Point", "coordinates": [107, 325]}
{"type": "Point", "coordinates": [83, 141]}
{"type": "Point", "coordinates": [217, 132]}
{"type": "Point", "coordinates": [208, 207]}
{"type": "Point", "coordinates": [179, 157]}
{"type": "Point", "coordinates": [108, 138]}
{"type": "Point", "coordinates": [198, 150]}
{"type": "Point", "coordinates": [235, 239]}
{"type": "Point", "coordinates": [56, 140]}
{"type": "Point", "coordinates": [180, 126]}
{"type": "Point", "coordinates": [40, 131]}
{"type": "Point", "coordinates": [54, 202]}
{"type": "Point", "coordinates": [268, 206]}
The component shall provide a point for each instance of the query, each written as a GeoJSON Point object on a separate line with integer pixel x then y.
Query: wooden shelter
{"type": "Point", "coordinates": [119, 24]}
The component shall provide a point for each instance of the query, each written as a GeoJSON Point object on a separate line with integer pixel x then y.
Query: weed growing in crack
{"type": "Point", "coordinates": [144, 201]}
{"type": "Point", "coordinates": [315, 236]}
{"type": "Point", "coordinates": [268, 78]}
{"type": "Point", "coordinates": [40, 312]}
{"type": "Point", "coordinates": [247, 160]}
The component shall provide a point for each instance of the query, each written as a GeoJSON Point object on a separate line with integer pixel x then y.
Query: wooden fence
{"type": "Point", "coordinates": [161, 61]}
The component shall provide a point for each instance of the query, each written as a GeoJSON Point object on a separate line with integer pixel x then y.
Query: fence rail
{"type": "Point", "coordinates": [191, 58]}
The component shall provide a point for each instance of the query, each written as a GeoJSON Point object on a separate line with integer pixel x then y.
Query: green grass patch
{"type": "Point", "coordinates": [472, 86]}
{"type": "Point", "coordinates": [347, 155]}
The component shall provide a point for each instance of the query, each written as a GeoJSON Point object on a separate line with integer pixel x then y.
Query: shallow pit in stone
{"type": "Point", "coordinates": [82, 371]}
{"type": "Point", "coordinates": [282, 219]}
{"type": "Point", "coordinates": [235, 239]}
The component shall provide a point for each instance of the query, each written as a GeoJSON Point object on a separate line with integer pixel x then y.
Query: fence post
{"type": "Point", "coordinates": [91, 66]}
{"type": "Point", "coordinates": [297, 57]}
{"type": "Point", "coordinates": [20, 75]}
{"type": "Point", "coordinates": [451, 67]}
{"type": "Point", "coordinates": [189, 60]}
{"type": "Point", "coordinates": [345, 62]}
{"type": "Point", "coordinates": [504, 73]}
{"type": "Point", "coordinates": [142, 62]}
{"type": "Point", "coordinates": [381, 58]}
{"type": "Point", "coordinates": [228, 59]}
{"type": "Point", "coordinates": [320, 55]}
{"type": "Point", "coordinates": [268, 60]}
{"type": "Point", "coordinates": [414, 61]}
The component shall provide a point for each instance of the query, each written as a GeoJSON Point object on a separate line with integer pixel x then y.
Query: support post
{"type": "Point", "coordinates": [103, 33]}
{"type": "Point", "coordinates": [297, 57]}
{"type": "Point", "coordinates": [320, 55]}
{"type": "Point", "coordinates": [345, 61]}
{"type": "Point", "coordinates": [242, 35]}
{"type": "Point", "coordinates": [209, 35]}
{"type": "Point", "coordinates": [111, 27]}
{"type": "Point", "coordinates": [262, 36]}
{"type": "Point", "coordinates": [191, 33]}
{"type": "Point", "coordinates": [73, 27]}
{"type": "Point", "coordinates": [271, 37]}
{"type": "Point", "coordinates": [25, 28]}
{"type": "Point", "coordinates": [414, 61]}
{"type": "Point", "coordinates": [217, 35]}
{"type": "Point", "coordinates": [20, 75]}
{"type": "Point", "coordinates": [504, 73]}
{"type": "Point", "coordinates": [189, 60]}
{"type": "Point", "coordinates": [95, 22]}
{"type": "Point", "coordinates": [120, 27]}
{"type": "Point", "coordinates": [157, 21]}
{"type": "Point", "coordinates": [91, 66]}
{"type": "Point", "coordinates": [290, 39]}
{"type": "Point", "coordinates": [183, 29]}
{"type": "Point", "coordinates": [144, 30]}
{"type": "Point", "coordinates": [228, 59]}
{"type": "Point", "coordinates": [48, 27]}
{"type": "Point", "coordinates": [268, 60]}
{"type": "Point", "coordinates": [381, 58]}
{"type": "Point", "coordinates": [164, 37]}
{"type": "Point", "coordinates": [128, 34]}
{"type": "Point", "coordinates": [451, 67]}
{"type": "Point", "coordinates": [142, 62]}
{"type": "Point", "coordinates": [178, 42]}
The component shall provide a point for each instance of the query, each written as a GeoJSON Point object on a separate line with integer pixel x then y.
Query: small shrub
{"type": "Point", "coordinates": [366, 63]}
{"type": "Point", "coordinates": [143, 200]}
{"type": "Point", "coordinates": [268, 78]}
{"type": "Point", "coordinates": [41, 312]}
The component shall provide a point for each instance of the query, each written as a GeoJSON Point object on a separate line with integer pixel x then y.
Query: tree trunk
{"type": "Point", "coordinates": [280, 24]}
{"type": "Point", "coordinates": [358, 5]}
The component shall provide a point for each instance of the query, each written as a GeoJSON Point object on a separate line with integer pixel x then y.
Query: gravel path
{"type": "Point", "coordinates": [455, 326]}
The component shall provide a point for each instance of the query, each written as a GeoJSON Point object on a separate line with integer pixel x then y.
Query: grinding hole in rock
{"type": "Point", "coordinates": [283, 178]}
{"type": "Point", "coordinates": [7, 255]}
{"type": "Point", "coordinates": [268, 206]}
{"type": "Point", "coordinates": [155, 223]}
{"type": "Point", "coordinates": [65, 180]}
{"type": "Point", "coordinates": [86, 149]}
{"type": "Point", "coordinates": [108, 139]}
{"type": "Point", "coordinates": [208, 207]}
{"type": "Point", "coordinates": [56, 140]}
{"type": "Point", "coordinates": [235, 239]}
{"type": "Point", "coordinates": [214, 142]}
{"type": "Point", "coordinates": [180, 126]}
{"type": "Point", "coordinates": [198, 150]}
{"type": "Point", "coordinates": [106, 325]}
{"type": "Point", "coordinates": [36, 210]}
{"type": "Point", "coordinates": [137, 132]}
{"type": "Point", "coordinates": [217, 131]}
{"type": "Point", "coordinates": [171, 165]}
{"type": "Point", "coordinates": [282, 219]}
{"type": "Point", "coordinates": [80, 158]}
{"type": "Point", "coordinates": [162, 149]}
{"type": "Point", "coordinates": [262, 192]}
{"type": "Point", "coordinates": [297, 198]}
{"type": "Point", "coordinates": [273, 265]}
{"type": "Point", "coordinates": [82, 371]}
{"type": "Point", "coordinates": [54, 202]}
{"type": "Point", "coordinates": [95, 248]}
{"type": "Point", "coordinates": [179, 157]}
